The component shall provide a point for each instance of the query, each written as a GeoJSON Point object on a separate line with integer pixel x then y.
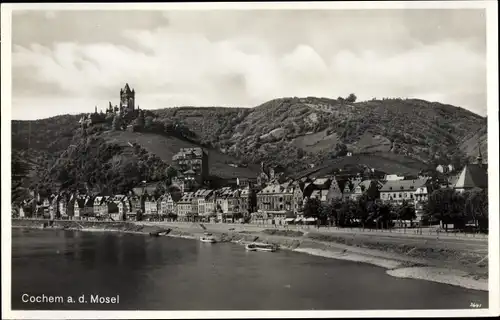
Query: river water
{"type": "Point", "coordinates": [165, 273]}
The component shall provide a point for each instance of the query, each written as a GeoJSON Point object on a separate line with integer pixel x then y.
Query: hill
{"type": "Point", "coordinates": [475, 140]}
{"type": "Point", "coordinates": [166, 146]}
{"type": "Point", "coordinates": [297, 132]}
{"type": "Point", "coordinates": [384, 162]}
{"type": "Point", "coordinates": [391, 135]}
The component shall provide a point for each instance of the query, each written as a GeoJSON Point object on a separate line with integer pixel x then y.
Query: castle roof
{"type": "Point", "coordinates": [127, 88]}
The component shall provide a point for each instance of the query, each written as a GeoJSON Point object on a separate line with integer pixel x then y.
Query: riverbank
{"type": "Point", "coordinates": [455, 262]}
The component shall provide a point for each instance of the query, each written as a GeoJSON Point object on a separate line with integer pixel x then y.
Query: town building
{"type": "Point", "coordinates": [167, 205]}
{"type": "Point", "coordinates": [201, 196]}
{"type": "Point", "coordinates": [137, 202]}
{"type": "Point", "coordinates": [124, 207]}
{"type": "Point", "coordinates": [101, 207]}
{"type": "Point", "coordinates": [150, 206]}
{"type": "Point", "coordinates": [369, 187]}
{"type": "Point", "coordinates": [442, 168]}
{"type": "Point", "coordinates": [54, 206]}
{"type": "Point", "coordinates": [270, 174]}
{"type": "Point", "coordinates": [224, 203]}
{"type": "Point", "coordinates": [472, 176]}
{"type": "Point", "coordinates": [393, 177]}
{"type": "Point", "coordinates": [88, 209]}
{"type": "Point", "coordinates": [348, 189]}
{"type": "Point", "coordinates": [421, 196]}
{"type": "Point", "coordinates": [79, 207]}
{"type": "Point", "coordinates": [280, 201]}
{"type": "Point", "coordinates": [246, 182]}
{"type": "Point", "coordinates": [193, 167]}
{"type": "Point", "coordinates": [397, 191]}
{"type": "Point", "coordinates": [210, 207]}
{"type": "Point", "coordinates": [185, 207]}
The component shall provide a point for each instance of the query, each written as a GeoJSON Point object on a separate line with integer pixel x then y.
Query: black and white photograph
{"type": "Point", "coordinates": [206, 160]}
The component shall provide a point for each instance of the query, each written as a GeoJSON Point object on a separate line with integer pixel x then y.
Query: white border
{"type": "Point", "coordinates": [493, 163]}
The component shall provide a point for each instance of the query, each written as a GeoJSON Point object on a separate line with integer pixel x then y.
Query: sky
{"type": "Point", "coordinates": [70, 61]}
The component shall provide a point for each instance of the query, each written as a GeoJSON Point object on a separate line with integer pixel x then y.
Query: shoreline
{"type": "Point", "coordinates": [396, 265]}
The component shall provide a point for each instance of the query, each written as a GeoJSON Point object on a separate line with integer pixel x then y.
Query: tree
{"type": "Point", "coordinates": [252, 200]}
{"type": "Point", "coordinates": [175, 193]}
{"type": "Point", "coordinates": [148, 122]}
{"type": "Point", "coordinates": [385, 214]}
{"type": "Point", "coordinates": [340, 149]}
{"type": "Point", "coordinates": [172, 216]}
{"type": "Point", "coordinates": [406, 211]}
{"type": "Point", "coordinates": [170, 173]}
{"type": "Point", "coordinates": [109, 118]}
{"type": "Point", "coordinates": [363, 203]}
{"type": "Point", "coordinates": [117, 122]}
{"type": "Point", "coordinates": [312, 208]}
{"type": "Point", "coordinates": [447, 205]}
{"type": "Point", "coordinates": [300, 153]}
{"type": "Point", "coordinates": [139, 215]}
{"type": "Point", "coordinates": [351, 98]}
{"type": "Point", "coordinates": [139, 122]}
{"type": "Point", "coordinates": [325, 212]}
{"type": "Point", "coordinates": [476, 207]}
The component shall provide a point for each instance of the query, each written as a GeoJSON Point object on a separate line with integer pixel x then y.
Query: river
{"type": "Point", "coordinates": [162, 273]}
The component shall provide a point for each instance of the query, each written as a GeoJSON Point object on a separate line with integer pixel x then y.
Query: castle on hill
{"type": "Point", "coordinates": [126, 109]}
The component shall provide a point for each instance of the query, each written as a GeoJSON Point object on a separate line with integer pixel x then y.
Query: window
{"type": "Point", "coordinates": [400, 195]}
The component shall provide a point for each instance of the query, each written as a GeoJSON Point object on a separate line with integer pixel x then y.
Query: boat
{"type": "Point", "coordinates": [260, 247]}
{"type": "Point", "coordinates": [208, 237]}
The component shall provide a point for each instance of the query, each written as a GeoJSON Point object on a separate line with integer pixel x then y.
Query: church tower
{"type": "Point", "coordinates": [127, 99]}
{"type": "Point", "coordinates": [479, 158]}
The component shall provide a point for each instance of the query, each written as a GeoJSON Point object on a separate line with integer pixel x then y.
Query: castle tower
{"type": "Point", "coordinates": [127, 99]}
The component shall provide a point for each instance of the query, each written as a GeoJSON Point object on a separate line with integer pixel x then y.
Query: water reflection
{"type": "Point", "coordinates": [178, 274]}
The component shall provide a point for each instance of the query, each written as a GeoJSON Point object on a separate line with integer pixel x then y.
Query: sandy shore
{"type": "Point", "coordinates": [450, 262]}
{"type": "Point", "coordinates": [407, 264]}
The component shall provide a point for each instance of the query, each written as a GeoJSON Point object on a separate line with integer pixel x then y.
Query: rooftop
{"type": "Point", "coordinates": [472, 176]}
{"type": "Point", "coordinates": [403, 185]}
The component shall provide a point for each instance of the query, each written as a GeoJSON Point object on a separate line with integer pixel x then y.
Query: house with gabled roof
{"type": "Point", "coordinates": [280, 201]}
{"type": "Point", "coordinates": [334, 191]}
{"type": "Point", "coordinates": [397, 191]}
{"type": "Point", "coordinates": [370, 187]}
{"type": "Point", "coordinates": [79, 206]}
{"type": "Point", "coordinates": [201, 197]}
{"type": "Point", "coordinates": [167, 205]}
{"type": "Point", "coordinates": [54, 206]}
{"type": "Point", "coordinates": [88, 209]}
{"type": "Point", "coordinates": [185, 207]}
{"type": "Point", "coordinates": [124, 207]}
{"type": "Point", "coordinates": [150, 205]}
{"type": "Point", "coordinates": [472, 176]}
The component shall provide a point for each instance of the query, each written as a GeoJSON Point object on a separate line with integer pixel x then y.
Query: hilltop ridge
{"type": "Point", "coordinates": [297, 133]}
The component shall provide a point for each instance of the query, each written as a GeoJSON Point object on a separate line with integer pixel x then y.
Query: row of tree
{"type": "Point", "coordinates": [364, 212]}
{"type": "Point", "coordinates": [461, 209]}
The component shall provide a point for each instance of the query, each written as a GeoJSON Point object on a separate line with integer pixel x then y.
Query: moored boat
{"type": "Point", "coordinates": [208, 237]}
{"type": "Point", "coordinates": [260, 247]}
